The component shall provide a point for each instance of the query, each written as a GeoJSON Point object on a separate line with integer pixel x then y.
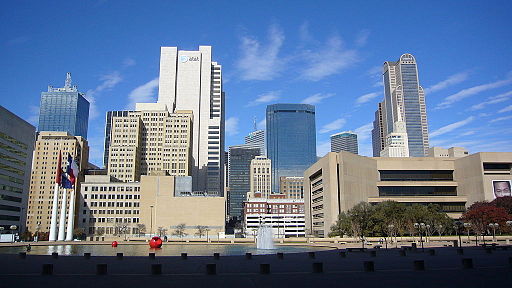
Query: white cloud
{"type": "Point", "coordinates": [262, 125]}
{"type": "Point", "coordinates": [127, 62]}
{"type": "Point", "coordinates": [364, 132]}
{"type": "Point", "coordinates": [493, 100]}
{"type": "Point", "coordinates": [452, 80]}
{"type": "Point", "coordinates": [144, 93]}
{"type": "Point", "coordinates": [304, 34]}
{"type": "Point", "coordinates": [506, 109]}
{"type": "Point", "coordinates": [362, 37]}
{"type": "Point", "coordinates": [375, 72]}
{"type": "Point", "coordinates": [366, 97]}
{"type": "Point", "coordinates": [448, 101]}
{"type": "Point", "coordinates": [316, 98]}
{"type": "Point", "coordinates": [33, 117]}
{"type": "Point", "coordinates": [108, 82]}
{"type": "Point", "coordinates": [261, 62]}
{"type": "Point", "coordinates": [329, 60]}
{"type": "Point", "coordinates": [468, 133]}
{"type": "Point", "coordinates": [231, 126]}
{"type": "Point", "coordinates": [264, 98]}
{"type": "Point", "coordinates": [334, 125]}
{"type": "Point", "coordinates": [323, 148]}
{"type": "Point", "coordinates": [501, 119]}
{"type": "Point", "coordinates": [451, 127]}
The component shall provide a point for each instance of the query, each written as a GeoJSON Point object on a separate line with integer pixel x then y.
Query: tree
{"type": "Point", "coordinates": [121, 229]}
{"type": "Point", "coordinates": [481, 214]}
{"type": "Point", "coordinates": [362, 221]}
{"type": "Point", "coordinates": [180, 230]}
{"type": "Point", "coordinates": [79, 233]}
{"type": "Point", "coordinates": [504, 202]}
{"type": "Point", "coordinates": [141, 229]}
{"type": "Point", "coordinates": [342, 227]}
{"type": "Point", "coordinates": [201, 230]}
{"type": "Point", "coordinates": [162, 231]}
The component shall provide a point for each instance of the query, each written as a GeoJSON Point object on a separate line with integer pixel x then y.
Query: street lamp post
{"type": "Point", "coordinates": [468, 226]}
{"type": "Point", "coordinates": [420, 227]}
{"type": "Point", "coordinates": [457, 226]}
{"type": "Point", "coordinates": [494, 226]}
{"type": "Point", "coordinates": [151, 222]}
{"type": "Point", "coordinates": [13, 228]}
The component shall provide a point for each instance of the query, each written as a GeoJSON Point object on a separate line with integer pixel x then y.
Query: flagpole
{"type": "Point", "coordinates": [55, 204]}
{"type": "Point", "coordinates": [71, 215]}
{"type": "Point", "coordinates": [62, 220]}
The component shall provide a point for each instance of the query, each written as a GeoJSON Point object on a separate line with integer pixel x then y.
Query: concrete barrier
{"type": "Point", "coordinates": [467, 263]}
{"type": "Point", "coordinates": [419, 265]}
{"type": "Point", "coordinates": [216, 256]}
{"type": "Point", "coordinates": [248, 255]}
{"type": "Point", "coordinates": [264, 268]}
{"type": "Point", "coordinates": [119, 256]}
{"type": "Point", "coordinates": [101, 269]}
{"type": "Point", "coordinates": [184, 256]}
{"type": "Point", "coordinates": [47, 269]}
{"type": "Point", "coordinates": [318, 267]}
{"type": "Point", "coordinates": [152, 255]}
{"type": "Point", "coordinates": [22, 255]}
{"type": "Point", "coordinates": [87, 255]}
{"type": "Point", "coordinates": [280, 255]}
{"type": "Point", "coordinates": [211, 269]}
{"type": "Point", "coordinates": [55, 255]}
{"type": "Point", "coordinates": [156, 269]}
{"type": "Point", "coordinates": [368, 266]}
{"type": "Point", "coordinates": [311, 255]}
{"type": "Point", "coordinates": [431, 252]}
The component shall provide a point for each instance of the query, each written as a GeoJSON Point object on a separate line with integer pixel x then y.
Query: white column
{"type": "Point", "coordinates": [62, 220]}
{"type": "Point", "coordinates": [71, 216]}
{"type": "Point", "coordinates": [55, 207]}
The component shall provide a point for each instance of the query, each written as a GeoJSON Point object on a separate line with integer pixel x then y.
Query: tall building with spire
{"type": "Point", "coordinates": [403, 98]}
{"type": "Point", "coordinates": [64, 109]}
{"type": "Point", "coordinates": [190, 80]}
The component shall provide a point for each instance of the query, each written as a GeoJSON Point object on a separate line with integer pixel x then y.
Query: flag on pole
{"type": "Point", "coordinates": [71, 173]}
{"type": "Point", "coordinates": [58, 175]}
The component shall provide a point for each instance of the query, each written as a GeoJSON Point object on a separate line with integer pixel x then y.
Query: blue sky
{"type": "Point", "coordinates": [326, 53]}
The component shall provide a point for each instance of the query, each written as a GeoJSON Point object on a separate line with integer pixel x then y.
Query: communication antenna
{"type": "Point", "coordinates": [68, 80]}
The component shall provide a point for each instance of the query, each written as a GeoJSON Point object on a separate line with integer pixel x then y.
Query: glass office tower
{"type": "Point", "coordinates": [403, 94]}
{"type": "Point", "coordinates": [240, 157]}
{"type": "Point", "coordinates": [291, 140]}
{"type": "Point", "coordinates": [64, 109]}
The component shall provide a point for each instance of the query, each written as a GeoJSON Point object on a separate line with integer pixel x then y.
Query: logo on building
{"type": "Point", "coordinates": [184, 58]}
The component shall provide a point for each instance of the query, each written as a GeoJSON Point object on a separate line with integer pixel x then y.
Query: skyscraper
{"type": "Point", "coordinates": [344, 141]}
{"type": "Point", "coordinates": [190, 80]}
{"type": "Point", "coordinates": [17, 138]}
{"type": "Point", "coordinates": [291, 140]}
{"type": "Point", "coordinates": [403, 94]}
{"type": "Point", "coordinates": [378, 131]}
{"type": "Point", "coordinates": [46, 155]}
{"type": "Point", "coordinates": [240, 158]}
{"type": "Point", "coordinates": [257, 139]}
{"type": "Point", "coordinates": [396, 144]}
{"type": "Point", "coordinates": [64, 109]}
{"type": "Point", "coordinates": [261, 177]}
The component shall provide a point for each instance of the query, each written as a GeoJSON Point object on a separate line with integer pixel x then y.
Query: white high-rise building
{"type": "Point", "coordinates": [261, 180]}
{"type": "Point", "coordinates": [190, 80]}
{"type": "Point", "coordinates": [396, 144]}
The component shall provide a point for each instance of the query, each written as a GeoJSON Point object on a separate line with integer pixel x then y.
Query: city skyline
{"type": "Point", "coordinates": [332, 60]}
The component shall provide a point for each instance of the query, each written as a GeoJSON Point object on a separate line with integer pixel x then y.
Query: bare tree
{"type": "Point", "coordinates": [201, 230]}
{"type": "Point", "coordinates": [162, 231]}
{"type": "Point", "coordinates": [121, 229]}
{"type": "Point", "coordinates": [141, 228]}
{"type": "Point", "coordinates": [180, 230]}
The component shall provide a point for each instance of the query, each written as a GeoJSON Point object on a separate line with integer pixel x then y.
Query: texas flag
{"type": "Point", "coordinates": [69, 176]}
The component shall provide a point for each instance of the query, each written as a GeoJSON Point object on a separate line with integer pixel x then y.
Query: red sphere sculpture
{"type": "Point", "coordinates": [155, 242]}
{"type": "Point", "coordinates": [114, 244]}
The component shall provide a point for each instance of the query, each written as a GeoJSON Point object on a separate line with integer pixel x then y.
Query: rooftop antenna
{"type": "Point", "coordinates": [68, 80]}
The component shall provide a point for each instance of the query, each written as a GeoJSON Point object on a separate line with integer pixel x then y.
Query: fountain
{"type": "Point", "coordinates": [264, 238]}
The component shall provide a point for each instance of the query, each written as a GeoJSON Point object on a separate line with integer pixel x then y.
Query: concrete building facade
{"type": "Point", "coordinates": [339, 181]}
{"type": "Point", "coordinates": [285, 216]}
{"type": "Point", "coordinates": [44, 167]}
{"type": "Point", "coordinates": [453, 152]}
{"type": "Point", "coordinates": [261, 176]}
{"type": "Point", "coordinates": [190, 80]}
{"type": "Point", "coordinates": [150, 139]}
{"type": "Point", "coordinates": [292, 187]}
{"type": "Point", "coordinates": [17, 138]}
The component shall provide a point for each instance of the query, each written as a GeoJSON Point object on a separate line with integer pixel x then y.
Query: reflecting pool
{"type": "Point", "coordinates": [166, 250]}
